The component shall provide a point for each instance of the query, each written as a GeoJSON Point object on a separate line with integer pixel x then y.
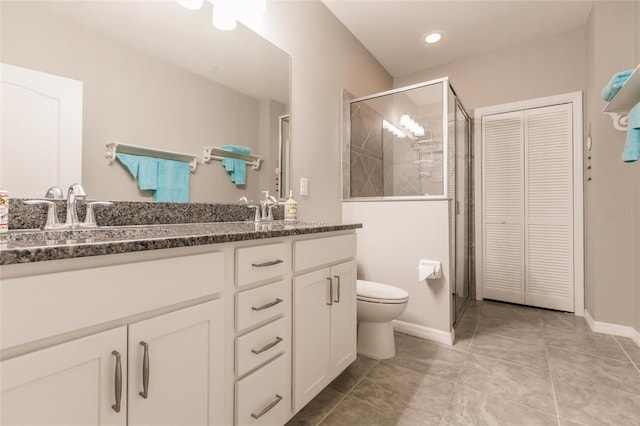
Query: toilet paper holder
{"type": "Point", "coordinates": [429, 269]}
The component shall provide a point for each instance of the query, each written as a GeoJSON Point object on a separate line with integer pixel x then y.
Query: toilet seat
{"type": "Point", "coordinates": [369, 291]}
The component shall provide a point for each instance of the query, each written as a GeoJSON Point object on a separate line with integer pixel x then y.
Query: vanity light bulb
{"type": "Point", "coordinates": [191, 4]}
{"type": "Point", "coordinates": [419, 131]}
{"type": "Point", "coordinates": [405, 120]}
{"type": "Point", "coordinates": [223, 16]}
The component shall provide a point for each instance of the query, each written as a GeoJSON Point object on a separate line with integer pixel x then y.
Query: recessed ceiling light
{"type": "Point", "coordinates": [433, 37]}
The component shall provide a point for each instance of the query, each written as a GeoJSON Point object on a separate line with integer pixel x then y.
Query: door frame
{"type": "Point", "coordinates": [575, 98]}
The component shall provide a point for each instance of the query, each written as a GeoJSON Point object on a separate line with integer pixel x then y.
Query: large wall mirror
{"type": "Point", "coordinates": [157, 75]}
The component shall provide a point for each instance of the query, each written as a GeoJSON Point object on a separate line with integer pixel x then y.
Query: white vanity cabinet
{"type": "Point", "coordinates": [324, 314]}
{"type": "Point", "coordinates": [242, 333]}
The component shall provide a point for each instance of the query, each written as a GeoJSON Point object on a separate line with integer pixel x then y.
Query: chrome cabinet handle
{"type": "Point", "coordinates": [269, 263]}
{"type": "Point", "coordinates": [268, 305]}
{"type": "Point", "coordinates": [268, 346]}
{"type": "Point", "coordinates": [145, 371]}
{"type": "Point", "coordinates": [330, 303]}
{"type": "Point", "coordinates": [337, 300]}
{"type": "Point", "coordinates": [266, 409]}
{"type": "Point", "coordinates": [118, 382]}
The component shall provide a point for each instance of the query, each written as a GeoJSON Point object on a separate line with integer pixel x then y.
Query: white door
{"type": "Point", "coordinates": [503, 207]}
{"type": "Point", "coordinates": [72, 383]}
{"type": "Point", "coordinates": [549, 207]}
{"type": "Point", "coordinates": [41, 131]}
{"type": "Point", "coordinates": [528, 202]}
{"type": "Point", "coordinates": [178, 360]}
{"type": "Point", "coordinates": [343, 317]}
{"type": "Point", "coordinates": [312, 335]}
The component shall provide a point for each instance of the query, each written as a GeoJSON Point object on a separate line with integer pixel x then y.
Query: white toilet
{"type": "Point", "coordinates": [378, 304]}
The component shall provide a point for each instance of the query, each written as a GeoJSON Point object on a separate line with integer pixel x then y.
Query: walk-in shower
{"type": "Point", "coordinates": [413, 144]}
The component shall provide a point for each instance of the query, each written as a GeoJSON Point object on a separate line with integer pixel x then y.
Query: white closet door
{"type": "Point", "coordinates": [549, 207]}
{"type": "Point", "coordinates": [503, 205]}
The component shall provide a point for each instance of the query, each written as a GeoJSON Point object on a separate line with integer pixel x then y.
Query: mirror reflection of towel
{"type": "Point", "coordinates": [236, 167]}
{"type": "Point", "coordinates": [168, 179]}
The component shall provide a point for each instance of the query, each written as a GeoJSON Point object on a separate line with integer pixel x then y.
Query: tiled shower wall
{"type": "Point", "coordinates": [366, 152]}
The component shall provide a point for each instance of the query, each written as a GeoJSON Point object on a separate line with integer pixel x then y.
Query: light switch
{"type": "Point", "coordinates": [304, 186]}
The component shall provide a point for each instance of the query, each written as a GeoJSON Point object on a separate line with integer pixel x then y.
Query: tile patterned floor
{"type": "Point", "coordinates": [510, 365]}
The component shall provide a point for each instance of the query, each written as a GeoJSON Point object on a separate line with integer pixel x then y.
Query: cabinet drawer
{"type": "Point", "coordinates": [261, 263]}
{"type": "Point", "coordinates": [323, 251]}
{"type": "Point", "coordinates": [261, 345]}
{"type": "Point", "coordinates": [261, 304]}
{"type": "Point", "coordinates": [262, 398]}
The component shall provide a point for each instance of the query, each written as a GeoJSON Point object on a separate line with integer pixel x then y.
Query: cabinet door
{"type": "Point", "coordinates": [343, 317]}
{"type": "Point", "coordinates": [312, 338]}
{"type": "Point", "coordinates": [180, 357]}
{"type": "Point", "coordinates": [72, 383]}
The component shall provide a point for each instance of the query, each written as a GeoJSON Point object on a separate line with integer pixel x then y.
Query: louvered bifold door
{"type": "Point", "coordinates": [549, 207]}
{"type": "Point", "coordinates": [503, 205]}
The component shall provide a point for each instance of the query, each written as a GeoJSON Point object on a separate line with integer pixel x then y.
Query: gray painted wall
{"type": "Point", "coordinates": [612, 197]}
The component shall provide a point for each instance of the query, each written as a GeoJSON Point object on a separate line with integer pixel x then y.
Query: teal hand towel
{"type": "Point", "coordinates": [616, 82]}
{"type": "Point", "coordinates": [173, 181]}
{"type": "Point", "coordinates": [631, 151]}
{"type": "Point", "coordinates": [144, 169]}
{"type": "Point", "coordinates": [237, 167]}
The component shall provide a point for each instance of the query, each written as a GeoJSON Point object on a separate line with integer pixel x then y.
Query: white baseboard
{"type": "Point", "coordinates": [423, 332]}
{"type": "Point", "coordinates": [613, 329]}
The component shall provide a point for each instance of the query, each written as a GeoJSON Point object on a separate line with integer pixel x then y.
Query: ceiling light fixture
{"type": "Point", "coordinates": [227, 12]}
{"type": "Point", "coordinates": [433, 37]}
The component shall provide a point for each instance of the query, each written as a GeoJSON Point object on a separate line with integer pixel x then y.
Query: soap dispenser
{"type": "Point", "coordinates": [290, 208]}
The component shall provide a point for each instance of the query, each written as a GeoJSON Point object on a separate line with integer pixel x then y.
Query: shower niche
{"type": "Point", "coordinates": [413, 143]}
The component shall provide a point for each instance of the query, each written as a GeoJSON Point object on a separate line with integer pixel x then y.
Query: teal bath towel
{"type": "Point", "coordinates": [631, 151]}
{"type": "Point", "coordinates": [173, 181]}
{"type": "Point", "coordinates": [237, 167]}
{"type": "Point", "coordinates": [616, 82]}
{"type": "Point", "coordinates": [144, 169]}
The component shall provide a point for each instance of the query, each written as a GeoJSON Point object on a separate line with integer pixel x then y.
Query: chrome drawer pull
{"type": "Point", "coordinates": [118, 382]}
{"type": "Point", "coordinates": [268, 305]}
{"type": "Point", "coordinates": [266, 409]}
{"type": "Point", "coordinates": [337, 299]}
{"type": "Point", "coordinates": [269, 263]}
{"type": "Point", "coordinates": [268, 346]}
{"type": "Point", "coordinates": [330, 281]}
{"type": "Point", "coordinates": [145, 371]}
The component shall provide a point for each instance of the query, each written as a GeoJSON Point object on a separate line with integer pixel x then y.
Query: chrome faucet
{"type": "Point", "coordinates": [76, 192]}
{"type": "Point", "coordinates": [267, 204]}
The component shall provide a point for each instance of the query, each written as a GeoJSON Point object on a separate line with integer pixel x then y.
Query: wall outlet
{"type": "Point", "coordinates": [304, 186]}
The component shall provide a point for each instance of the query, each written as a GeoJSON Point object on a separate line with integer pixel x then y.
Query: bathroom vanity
{"type": "Point", "coordinates": [216, 323]}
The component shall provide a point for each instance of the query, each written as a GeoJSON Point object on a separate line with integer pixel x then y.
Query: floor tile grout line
{"type": "Point", "coordinates": [348, 392]}
{"type": "Point", "coordinates": [553, 387]}
{"type": "Point", "coordinates": [600, 384]}
{"type": "Point", "coordinates": [627, 354]}
{"type": "Point", "coordinates": [588, 353]}
{"type": "Point", "coordinates": [467, 353]}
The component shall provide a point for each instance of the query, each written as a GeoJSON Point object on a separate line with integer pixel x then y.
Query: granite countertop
{"type": "Point", "coordinates": [26, 246]}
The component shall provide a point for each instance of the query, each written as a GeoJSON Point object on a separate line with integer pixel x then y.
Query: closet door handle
{"type": "Point", "coordinates": [266, 409]}
{"type": "Point", "coordinates": [145, 371]}
{"type": "Point", "coordinates": [269, 263]}
{"type": "Point", "coordinates": [118, 382]}
{"type": "Point", "coordinates": [267, 346]}
{"type": "Point", "coordinates": [268, 305]}
{"type": "Point", "coordinates": [330, 303]}
{"type": "Point", "coordinates": [337, 299]}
